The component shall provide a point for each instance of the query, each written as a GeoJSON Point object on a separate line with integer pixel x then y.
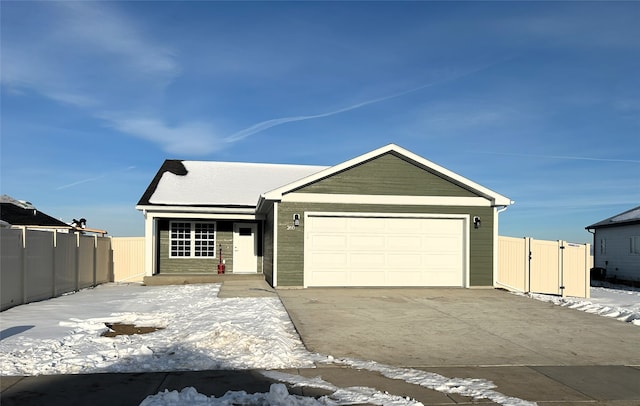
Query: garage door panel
{"type": "Point", "coordinates": [384, 251]}
{"type": "Point", "coordinates": [330, 278]}
{"type": "Point", "coordinates": [366, 261]}
{"type": "Point", "coordinates": [395, 242]}
{"type": "Point", "coordinates": [405, 278]}
{"type": "Point", "coordinates": [329, 259]}
{"type": "Point", "coordinates": [326, 242]}
{"type": "Point", "coordinates": [372, 225]}
{"type": "Point", "coordinates": [444, 243]}
{"type": "Point", "coordinates": [407, 260]}
{"type": "Point", "coordinates": [440, 261]}
{"type": "Point", "coordinates": [368, 278]}
{"type": "Point", "coordinates": [329, 224]}
{"type": "Point", "coordinates": [366, 242]}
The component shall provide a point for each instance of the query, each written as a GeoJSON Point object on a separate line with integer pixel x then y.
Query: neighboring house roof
{"type": "Point", "coordinates": [495, 198]}
{"type": "Point", "coordinates": [626, 218]}
{"type": "Point", "coordinates": [28, 216]}
{"type": "Point", "coordinates": [228, 184]}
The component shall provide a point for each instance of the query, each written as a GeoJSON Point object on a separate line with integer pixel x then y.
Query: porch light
{"type": "Point", "coordinates": [476, 222]}
{"type": "Point", "coordinates": [296, 220]}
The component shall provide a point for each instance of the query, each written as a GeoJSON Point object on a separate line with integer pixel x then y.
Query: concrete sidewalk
{"type": "Point", "coordinates": [548, 386]}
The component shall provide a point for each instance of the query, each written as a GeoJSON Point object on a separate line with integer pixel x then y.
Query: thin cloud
{"type": "Point", "coordinates": [264, 125]}
{"type": "Point", "coordinates": [78, 42]}
{"type": "Point", "coordinates": [94, 178]}
{"type": "Point", "coordinates": [193, 138]}
{"type": "Point", "coordinates": [256, 128]}
{"type": "Point", "coordinates": [570, 157]}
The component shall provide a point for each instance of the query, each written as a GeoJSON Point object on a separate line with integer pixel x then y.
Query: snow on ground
{"type": "Point", "coordinates": [619, 302]}
{"type": "Point", "coordinates": [201, 332]}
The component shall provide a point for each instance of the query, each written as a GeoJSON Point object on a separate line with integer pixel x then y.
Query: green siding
{"type": "Point", "coordinates": [268, 247]}
{"type": "Point", "coordinates": [388, 174]}
{"type": "Point", "coordinates": [291, 242]}
{"type": "Point", "coordinates": [224, 236]}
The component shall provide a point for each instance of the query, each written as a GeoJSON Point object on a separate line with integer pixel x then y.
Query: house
{"type": "Point", "coordinates": [23, 214]}
{"type": "Point", "coordinates": [385, 218]}
{"type": "Point", "coordinates": [616, 245]}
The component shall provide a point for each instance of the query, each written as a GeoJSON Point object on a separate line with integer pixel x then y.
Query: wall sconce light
{"type": "Point", "coordinates": [296, 220]}
{"type": "Point", "coordinates": [476, 222]}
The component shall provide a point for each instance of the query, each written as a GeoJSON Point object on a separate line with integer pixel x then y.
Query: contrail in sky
{"type": "Point", "coordinates": [578, 158]}
{"type": "Point", "coordinates": [256, 128]}
{"type": "Point", "coordinates": [80, 182]}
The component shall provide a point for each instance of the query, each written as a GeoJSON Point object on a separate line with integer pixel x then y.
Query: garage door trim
{"type": "Point", "coordinates": [465, 218]}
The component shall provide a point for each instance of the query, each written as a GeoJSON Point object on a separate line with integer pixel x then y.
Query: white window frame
{"type": "Point", "coordinates": [192, 239]}
{"type": "Point", "coordinates": [634, 246]}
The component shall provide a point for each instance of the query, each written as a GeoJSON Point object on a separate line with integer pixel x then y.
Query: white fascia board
{"type": "Point", "coordinates": [386, 199]}
{"type": "Point", "coordinates": [196, 209]}
{"type": "Point", "coordinates": [495, 198]}
{"type": "Point", "coordinates": [200, 215]}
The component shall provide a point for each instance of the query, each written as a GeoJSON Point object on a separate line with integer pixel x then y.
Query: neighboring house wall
{"type": "Point", "coordinates": [38, 265]}
{"type": "Point", "coordinates": [290, 259]}
{"type": "Point", "coordinates": [613, 251]}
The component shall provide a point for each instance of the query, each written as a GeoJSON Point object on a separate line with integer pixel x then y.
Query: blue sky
{"type": "Point", "coordinates": [537, 101]}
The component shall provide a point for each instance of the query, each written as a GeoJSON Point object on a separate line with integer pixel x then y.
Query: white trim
{"type": "Point", "coordinates": [274, 267]}
{"type": "Point", "coordinates": [149, 244]}
{"type": "Point", "coordinates": [495, 198]}
{"type": "Point", "coordinates": [195, 209]}
{"type": "Point", "coordinates": [466, 260]}
{"type": "Point", "coordinates": [495, 247]}
{"type": "Point", "coordinates": [206, 216]}
{"type": "Point", "coordinates": [386, 199]}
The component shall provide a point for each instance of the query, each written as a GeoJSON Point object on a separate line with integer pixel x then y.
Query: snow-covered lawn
{"type": "Point", "coordinates": [200, 331]}
{"type": "Point", "coordinates": [619, 302]}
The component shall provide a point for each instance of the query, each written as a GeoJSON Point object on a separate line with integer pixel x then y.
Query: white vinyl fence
{"type": "Point", "coordinates": [539, 266]}
{"type": "Point", "coordinates": [128, 259]}
{"type": "Point", "coordinates": [37, 265]}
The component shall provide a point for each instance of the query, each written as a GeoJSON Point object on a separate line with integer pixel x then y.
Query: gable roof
{"type": "Point", "coordinates": [495, 198]}
{"type": "Point", "coordinates": [27, 215]}
{"type": "Point", "coordinates": [626, 218]}
{"type": "Point", "coordinates": [222, 184]}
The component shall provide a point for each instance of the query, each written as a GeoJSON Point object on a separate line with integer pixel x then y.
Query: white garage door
{"type": "Point", "coordinates": [384, 251]}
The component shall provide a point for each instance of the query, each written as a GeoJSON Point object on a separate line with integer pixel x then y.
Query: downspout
{"type": "Point", "coordinates": [496, 242]}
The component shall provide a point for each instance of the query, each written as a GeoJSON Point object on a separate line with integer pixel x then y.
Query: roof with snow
{"type": "Point", "coordinates": [225, 184]}
{"type": "Point", "coordinates": [24, 214]}
{"type": "Point", "coordinates": [623, 219]}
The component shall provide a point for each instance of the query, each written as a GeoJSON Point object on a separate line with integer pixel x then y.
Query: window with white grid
{"type": "Point", "coordinates": [190, 239]}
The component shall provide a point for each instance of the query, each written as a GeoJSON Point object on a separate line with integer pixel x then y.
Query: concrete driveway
{"type": "Point", "coordinates": [455, 327]}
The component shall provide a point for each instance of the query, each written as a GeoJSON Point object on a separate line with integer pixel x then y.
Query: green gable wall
{"type": "Point", "coordinates": [388, 174]}
{"type": "Point", "coordinates": [291, 241]}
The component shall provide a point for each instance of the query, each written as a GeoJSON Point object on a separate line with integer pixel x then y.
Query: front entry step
{"type": "Point", "coordinates": [185, 279]}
